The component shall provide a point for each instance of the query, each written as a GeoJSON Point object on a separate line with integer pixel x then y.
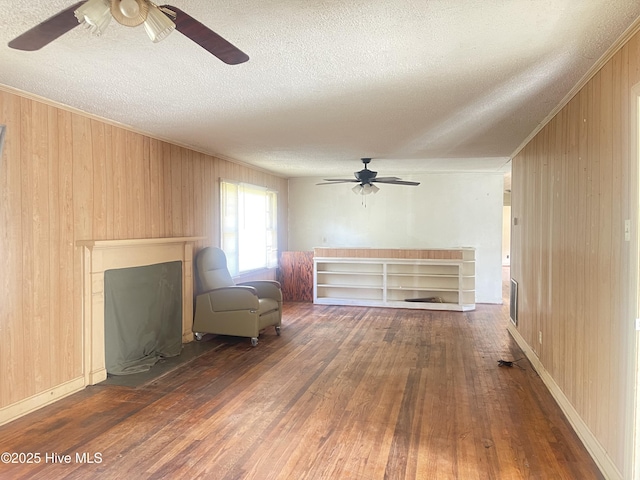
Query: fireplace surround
{"type": "Point", "coordinates": [101, 255]}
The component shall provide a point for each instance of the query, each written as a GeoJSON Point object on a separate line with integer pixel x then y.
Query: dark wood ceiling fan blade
{"type": "Point", "coordinates": [47, 31]}
{"type": "Point", "coordinates": [329, 181]}
{"type": "Point", "coordinates": [207, 38]}
{"type": "Point", "coordinates": [386, 179]}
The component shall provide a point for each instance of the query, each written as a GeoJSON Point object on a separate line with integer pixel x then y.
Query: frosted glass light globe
{"type": "Point", "coordinates": [129, 8]}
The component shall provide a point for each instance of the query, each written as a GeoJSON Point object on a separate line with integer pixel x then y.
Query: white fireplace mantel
{"type": "Point", "coordinates": [101, 255]}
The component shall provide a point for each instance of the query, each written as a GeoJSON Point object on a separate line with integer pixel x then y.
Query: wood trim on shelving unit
{"type": "Point", "coordinates": [390, 253]}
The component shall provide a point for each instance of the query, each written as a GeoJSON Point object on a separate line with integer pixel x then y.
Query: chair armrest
{"type": "Point", "coordinates": [266, 288]}
{"type": "Point", "coordinates": [232, 298]}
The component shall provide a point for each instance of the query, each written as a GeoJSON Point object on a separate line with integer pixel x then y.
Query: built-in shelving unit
{"type": "Point", "coordinates": [435, 279]}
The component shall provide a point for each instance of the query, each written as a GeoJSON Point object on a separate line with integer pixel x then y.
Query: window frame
{"type": "Point", "coordinates": [233, 198]}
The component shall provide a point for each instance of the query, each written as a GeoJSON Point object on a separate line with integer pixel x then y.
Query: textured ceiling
{"type": "Point", "coordinates": [440, 85]}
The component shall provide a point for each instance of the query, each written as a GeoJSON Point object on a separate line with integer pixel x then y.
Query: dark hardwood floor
{"type": "Point", "coordinates": [344, 393]}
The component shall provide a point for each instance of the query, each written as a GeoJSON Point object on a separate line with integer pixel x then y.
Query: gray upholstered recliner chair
{"type": "Point", "coordinates": [226, 308]}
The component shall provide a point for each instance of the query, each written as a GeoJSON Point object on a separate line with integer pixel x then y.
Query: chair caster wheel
{"type": "Point", "coordinates": [254, 341]}
{"type": "Point", "coordinates": [198, 336]}
{"type": "Point", "coordinates": [278, 330]}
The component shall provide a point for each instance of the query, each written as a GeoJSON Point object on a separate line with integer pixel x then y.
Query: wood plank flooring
{"type": "Point", "coordinates": [344, 393]}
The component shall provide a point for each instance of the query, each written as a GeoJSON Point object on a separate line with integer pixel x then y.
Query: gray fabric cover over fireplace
{"type": "Point", "coordinates": [143, 316]}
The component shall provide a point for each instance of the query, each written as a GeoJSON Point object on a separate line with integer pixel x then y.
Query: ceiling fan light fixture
{"type": "Point", "coordinates": [95, 15]}
{"type": "Point", "coordinates": [158, 25]}
{"type": "Point", "coordinates": [129, 8]}
{"type": "Point", "coordinates": [365, 189]}
{"type": "Point", "coordinates": [129, 13]}
{"type": "Point", "coordinates": [368, 189]}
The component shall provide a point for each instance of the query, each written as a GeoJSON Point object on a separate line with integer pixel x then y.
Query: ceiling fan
{"type": "Point", "coordinates": [365, 179]}
{"type": "Point", "coordinates": [158, 22]}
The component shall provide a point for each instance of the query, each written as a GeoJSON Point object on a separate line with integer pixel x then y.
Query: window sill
{"type": "Point", "coordinates": [267, 273]}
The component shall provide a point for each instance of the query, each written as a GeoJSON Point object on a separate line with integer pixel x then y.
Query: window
{"type": "Point", "coordinates": [248, 228]}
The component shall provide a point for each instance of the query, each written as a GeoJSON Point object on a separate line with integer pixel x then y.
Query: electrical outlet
{"type": "Point", "coordinates": [540, 338]}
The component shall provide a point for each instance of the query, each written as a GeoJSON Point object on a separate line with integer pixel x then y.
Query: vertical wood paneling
{"type": "Point", "coordinates": [186, 187]}
{"type": "Point", "coordinates": [69, 308]}
{"type": "Point", "coordinates": [98, 148]}
{"type": "Point", "coordinates": [176, 192]}
{"type": "Point", "coordinates": [147, 213]}
{"type": "Point", "coordinates": [11, 282]}
{"type": "Point", "coordinates": [64, 178]}
{"type": "Point", "coordinates": [214, 227]}
{"type": "Point", "coordinates": [109, 182]}
{"type": "Point", "coordinates": [135, 184]}
{"type": "Point", "coordinates": [82, 175]}
{"type": "Point", "coordinates": [156, 199]}
{"type": "Point", "coordinates": [555, 239]}
{"type": "Point", "coordinates": [572, 237]}
{"type": "Point", "coordinates": [619, 121]}
{"type": "Point", "coordinates": [593, 137]}
{"type": "Point", "coordinates": [40, 253]}
{"type": "Point", "coordinates": [198, 194]}
{"type": "Point", "coordinates": [583, 227]}
{"type": "Point", "coordinates": [572, 191]}
{"type": "Point", "coordinates": [26, 188]}
{"type": "Point", "coordinates": [120, 211]}
{"type": "Point", "coordinates": [605, 248]}
{"type": "Point", "coordinates": [53, 308]}
{"type": "Point", "coordinates": [167, 211]}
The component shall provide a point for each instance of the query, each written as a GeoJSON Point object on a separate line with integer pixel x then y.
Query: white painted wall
{"type": "Point", "coordinates": [445, 210]}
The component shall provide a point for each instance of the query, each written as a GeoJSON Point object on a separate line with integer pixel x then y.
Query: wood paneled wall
{"type": "Point", "coordinates": [66, 177]}
{"type": "Point", "coordinates": [296, 276]}
{"type": "Point", "coordinates": [573, 186]}
{"type": "Point", "coordinates": [416, 254]}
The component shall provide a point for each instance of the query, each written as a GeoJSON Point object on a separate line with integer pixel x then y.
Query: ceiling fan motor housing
{"type": "Point", "coordinates": [365, 175]}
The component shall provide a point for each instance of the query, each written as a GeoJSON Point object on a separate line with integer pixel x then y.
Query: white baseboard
{"type": "Point", "coordinates": [97, 376]}
{"type": "Point", "coordinates": [28, 405]}
{"type": "Point", "coordinates": [591, 443]}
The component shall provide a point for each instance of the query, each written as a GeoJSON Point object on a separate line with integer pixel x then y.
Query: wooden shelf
{"type": "Point", "coordinates": [334, 285]}
{"type": "Point", "coordinates": [442, 281]}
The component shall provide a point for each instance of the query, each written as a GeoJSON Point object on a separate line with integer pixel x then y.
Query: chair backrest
{"type": "Point", "coordinates": [211, 267]}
